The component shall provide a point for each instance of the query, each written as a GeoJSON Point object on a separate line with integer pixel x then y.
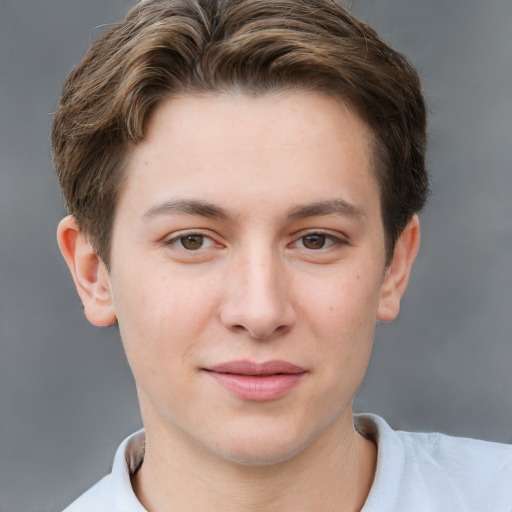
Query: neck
{"type": "Point", "coordinates": [335, 473]}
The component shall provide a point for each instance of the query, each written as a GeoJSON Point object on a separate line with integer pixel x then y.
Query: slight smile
{"type": "Point", "coordinates": [258, 382]}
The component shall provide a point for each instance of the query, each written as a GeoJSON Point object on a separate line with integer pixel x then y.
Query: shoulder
{"type": "Point", "coordinates": [462, 455]}
{"type": "Point", "coordinates": [95, 499]}
{"type": "Point", "coordinates": [480, 471]}
{"type": "Point", "coordinates": [436, 472]}
{"type": "Point", "coordinates": [114, 492]}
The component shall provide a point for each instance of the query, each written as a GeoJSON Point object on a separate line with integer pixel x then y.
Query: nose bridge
{"type": "Point", "coordinates": [257, 296]}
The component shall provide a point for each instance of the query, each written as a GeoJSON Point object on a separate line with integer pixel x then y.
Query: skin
{"type": "Point", "coordinates": [272, 278]}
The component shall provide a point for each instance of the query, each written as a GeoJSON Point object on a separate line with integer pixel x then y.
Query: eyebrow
{"type": "Point", "coordinates": [187, 207]}
{"type": "Point", "coordinates": [210, 210]}
{"type": "Point", "coordinates": [328, 207]}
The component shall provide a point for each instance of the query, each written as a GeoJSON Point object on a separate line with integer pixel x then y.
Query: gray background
{"type": "Point", "coordinates": [66, 395]}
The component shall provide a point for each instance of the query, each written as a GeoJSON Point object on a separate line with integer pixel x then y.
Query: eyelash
{"type": "Point", "coordinates": [334, 240]}
{"type": "Point", "coordinates": [178, 241]}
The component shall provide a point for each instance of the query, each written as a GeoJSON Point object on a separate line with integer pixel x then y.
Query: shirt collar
{"type": "Point", "coordinates": [128, 459]}
{"type": "Point", "coordinates": [130, 455]}
{"type": "Point", "coordinates": [391, 457]}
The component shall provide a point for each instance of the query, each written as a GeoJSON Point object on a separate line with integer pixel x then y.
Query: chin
{"type": "Point", "coordinates": [258, 455]}
{"type": "Point", "coordinates": [261, 447]}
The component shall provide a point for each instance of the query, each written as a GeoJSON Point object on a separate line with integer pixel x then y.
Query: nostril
{"type": "Point", "coordinates": [238, 328]}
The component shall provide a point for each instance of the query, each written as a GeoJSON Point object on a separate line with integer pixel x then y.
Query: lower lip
{"type": "Point", "coordinates": [261, 388]}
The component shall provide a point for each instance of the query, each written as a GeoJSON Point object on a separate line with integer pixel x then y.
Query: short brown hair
{"type": "Point", "coordinates": [186, 47]}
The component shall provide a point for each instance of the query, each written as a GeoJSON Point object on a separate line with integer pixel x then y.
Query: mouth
{"type": "Point", "coordinates": [259, 382]}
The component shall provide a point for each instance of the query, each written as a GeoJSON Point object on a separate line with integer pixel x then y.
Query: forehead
{"type": "Point", "coordinates": [281, 119]}
{"type": "Point", "coordinates": [233, 146]}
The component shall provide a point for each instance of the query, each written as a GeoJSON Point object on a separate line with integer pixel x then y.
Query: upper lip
{"type": "Point", "coordinates": [252, 368]}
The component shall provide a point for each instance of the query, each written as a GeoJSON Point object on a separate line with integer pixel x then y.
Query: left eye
{"type": "Point", "coordinates": [316, 241]}
{"type": "Point", "coordinates": [193, 242]}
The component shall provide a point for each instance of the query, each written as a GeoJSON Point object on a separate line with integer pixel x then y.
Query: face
{"type": "Point", "coordinates": [247, 271]}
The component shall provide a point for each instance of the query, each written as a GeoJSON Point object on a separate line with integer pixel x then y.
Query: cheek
{"type": "Point", "coordinates": [341, 316]}
{"type": "Point", "coordinates": [343, 304]}
{"type": "Point", "coordinates": [161, 321]}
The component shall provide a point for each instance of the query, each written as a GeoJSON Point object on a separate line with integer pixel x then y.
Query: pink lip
{"type": "Point", "coordinates": [258, 382]}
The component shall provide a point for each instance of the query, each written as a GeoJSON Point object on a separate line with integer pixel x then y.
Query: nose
{"type": "Point", "coordinates": [257, 300]}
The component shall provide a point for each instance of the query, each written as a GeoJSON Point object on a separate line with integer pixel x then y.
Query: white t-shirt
{"type": "Point", "coordinates": [415, 473]}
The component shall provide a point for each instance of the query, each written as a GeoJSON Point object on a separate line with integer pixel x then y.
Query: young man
{"type": "Point", "coordinates": [243, 179]}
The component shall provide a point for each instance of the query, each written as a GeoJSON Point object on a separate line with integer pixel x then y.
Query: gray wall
{"type": "Point", "coordinates": [66, 395]}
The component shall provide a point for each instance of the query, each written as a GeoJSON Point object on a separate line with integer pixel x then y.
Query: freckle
{"type": "Point", "coordinates": [331, 308]}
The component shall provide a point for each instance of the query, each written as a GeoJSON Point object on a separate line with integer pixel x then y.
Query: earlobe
{"type": "Point", "coordinates": [399, 270]}
{"type": "Point", "coordinates": [89, 273]}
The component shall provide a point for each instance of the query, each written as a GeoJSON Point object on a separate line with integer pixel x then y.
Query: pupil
{"type": "Point", "coordinates": [314, 241]}
{"type": "Point", "coordinates": [192, 242]}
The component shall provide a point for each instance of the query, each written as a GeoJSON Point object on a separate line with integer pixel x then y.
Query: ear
{"type": "Point", "coordinates": [89, 273]}
{"type": "Point", "coordinates": [398, 271]}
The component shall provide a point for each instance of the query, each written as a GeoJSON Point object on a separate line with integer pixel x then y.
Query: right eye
{"type": "Point", "coordinates": [314, 241]}
{"type": "Point", "coordinates": [191, 242]}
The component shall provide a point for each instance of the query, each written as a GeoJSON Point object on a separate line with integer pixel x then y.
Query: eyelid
{"type": "Point", "coordinates": [336, 233]}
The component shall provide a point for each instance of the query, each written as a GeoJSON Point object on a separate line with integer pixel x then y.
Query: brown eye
{"type": "Point", "coordinates": [314, 241]}
{"type": "Point", "coordinates": [192, 242]}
